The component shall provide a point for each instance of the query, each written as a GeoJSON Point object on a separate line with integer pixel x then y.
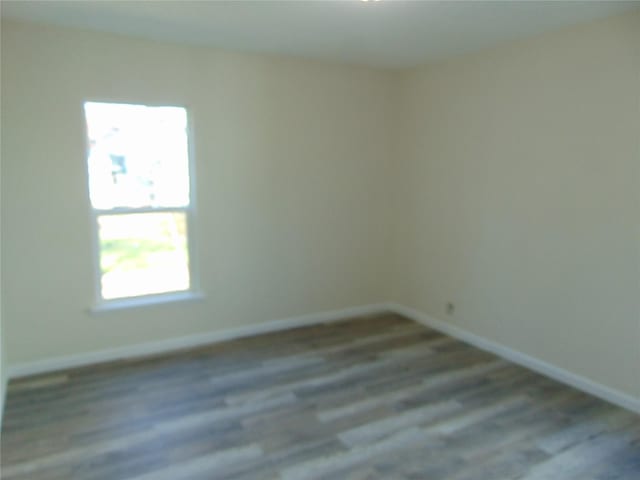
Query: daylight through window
{"type": "Point", "coordinates": [139, 185]}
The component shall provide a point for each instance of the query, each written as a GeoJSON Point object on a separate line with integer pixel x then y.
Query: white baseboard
{"type": "Point", "coordinates": [191, 341]}
{"type": "Point", "coordinates": [578, 381]}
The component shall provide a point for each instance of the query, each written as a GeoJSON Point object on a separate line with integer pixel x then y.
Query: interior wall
{"type": "Point", "coordinates": [3, 366]}
{"type": "Point", "coordinates": [505, 182]}
{"type": "Point", "coordinates": [3, 351]}
{"type": "Point", "coordinates": [290, 163]}
{"type": "Point", "coordinates": [521, 197]}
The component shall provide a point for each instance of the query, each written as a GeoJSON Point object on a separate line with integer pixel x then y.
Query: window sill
{"type": "Point", "coordinates": [149, 300]}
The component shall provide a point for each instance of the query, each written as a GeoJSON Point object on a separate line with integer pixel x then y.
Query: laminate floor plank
{"type": "Point", "coordinates": [377, 397]}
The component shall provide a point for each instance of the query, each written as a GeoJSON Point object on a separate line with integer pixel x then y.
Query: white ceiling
{"type": "Point", "coordinates": [386, 33]}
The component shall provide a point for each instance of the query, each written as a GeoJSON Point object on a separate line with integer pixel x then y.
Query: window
{"type": "Point", "coordinates": [141, 199]}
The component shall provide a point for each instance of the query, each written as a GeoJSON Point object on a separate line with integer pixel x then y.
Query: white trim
{"type": "Point", "coordinates": [578, 381]}
{"type": "Point", "coordinates": [189, 211]}
{"type": "Point", "coordinates": [146, 300]}
{"type": "Point", "coordinates": [192, 211]}
{"type": "Point", "coordinates": [191, 341]}
{"type": "Point", "coordinates": [152, 348]}
{"type": "Point", "coordinates": [138, 210]}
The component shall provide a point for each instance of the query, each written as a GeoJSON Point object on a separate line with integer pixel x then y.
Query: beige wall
{"type": "Point", "coordinates": [3, 365]}
{"type": "Point", "coordinates": [521, 199]}
{"type": "Point", "coordinates": [3, 351]}
{"type": "Point", "coordinates": [506, 182]}
{"type": "Point", "coordinates": [289, 162]}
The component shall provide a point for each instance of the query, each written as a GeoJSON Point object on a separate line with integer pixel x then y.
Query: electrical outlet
{"type": "Point", "coordinates": [450, 308]}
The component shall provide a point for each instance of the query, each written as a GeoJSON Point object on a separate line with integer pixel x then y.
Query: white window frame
{"type": "Point", "coordinates": [193, 293]}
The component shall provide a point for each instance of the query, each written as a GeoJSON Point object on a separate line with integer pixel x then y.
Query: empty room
{"type": "Point", "coordinates": [357, 239]}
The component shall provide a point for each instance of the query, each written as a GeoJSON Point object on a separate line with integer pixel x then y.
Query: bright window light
{"type": "Point", "coordinates": [139, 187]}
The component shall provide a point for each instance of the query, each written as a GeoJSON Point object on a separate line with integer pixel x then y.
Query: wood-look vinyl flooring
{"type": "Point", "coordinates": [367, 398]}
